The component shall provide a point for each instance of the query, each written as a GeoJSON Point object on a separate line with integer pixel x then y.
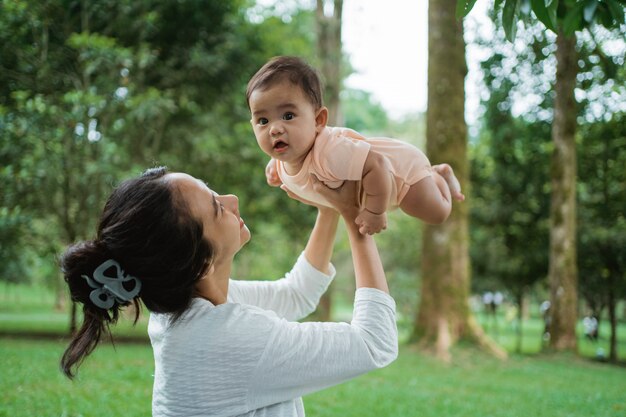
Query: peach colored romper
{"type": "Point", "coordinates": [339, 155]}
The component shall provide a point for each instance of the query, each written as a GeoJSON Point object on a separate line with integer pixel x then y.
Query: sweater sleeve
{"type": "Point", "coordinates": [293, 297]}
{"type": "Point", "coordinates": [300, 358]}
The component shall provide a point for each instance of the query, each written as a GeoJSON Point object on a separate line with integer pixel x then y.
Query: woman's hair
{"type": "Point", "coordinates": [292, 69]}
{"type": "Point", "coordinates": [147, 228]}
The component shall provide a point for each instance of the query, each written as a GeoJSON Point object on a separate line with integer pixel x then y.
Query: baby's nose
{"type": "Point", "coordinates": [277, 128]}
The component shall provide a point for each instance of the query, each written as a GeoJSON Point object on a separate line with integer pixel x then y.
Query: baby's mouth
{"type": "Point", "coordinates": [280, 145]}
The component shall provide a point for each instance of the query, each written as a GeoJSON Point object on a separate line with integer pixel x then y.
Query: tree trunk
{"type": "Point", "coordinates": [443, 316]}
{"type": "Point", "coordinates": [520, 320]}
{"type": "Point", "coordinates": [329, 54]}
{"type": "Point", "coordinates": [562, 272]}
{"type": "Point", "coordinates": [612, 320]}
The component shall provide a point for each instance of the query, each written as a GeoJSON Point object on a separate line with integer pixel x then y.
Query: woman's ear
{"type": "Point", "coordinates": [321, 118]}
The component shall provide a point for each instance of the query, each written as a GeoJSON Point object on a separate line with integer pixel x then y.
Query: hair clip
{"type": "Point", "coordinates": [109, 288]}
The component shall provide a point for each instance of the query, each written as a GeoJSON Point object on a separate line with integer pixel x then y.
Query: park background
{"type": "Point", "coordinates": [92, 92]}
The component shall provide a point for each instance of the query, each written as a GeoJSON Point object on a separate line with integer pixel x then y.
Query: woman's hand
{"type": "Point", "coordinates": [344, 199]}
{"type": "Point", "coordinates": [296, 197]}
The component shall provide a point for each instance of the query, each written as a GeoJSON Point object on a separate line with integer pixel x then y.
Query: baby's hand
{"type": "Point", "coordinates": [370, 223]}
{"type": "Point", "coordinates": [271, 174]}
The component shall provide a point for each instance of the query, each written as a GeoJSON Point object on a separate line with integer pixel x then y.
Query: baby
{"type": "Point", "coordinates": [289, 122]}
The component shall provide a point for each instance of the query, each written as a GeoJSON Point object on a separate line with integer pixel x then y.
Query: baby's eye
{"type": "Point", "coordinates": [262, 121]}
{"type": "Point", "coordinates": [288, 116]}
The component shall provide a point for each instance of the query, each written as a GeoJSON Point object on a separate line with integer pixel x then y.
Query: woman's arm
{"type": "Point", "coordinates": [319, 248]}
{"type": "Point", "coordinates": [300, 358]}
{"type": "Point", "coordinates": [368, 269]}
{"type": "Point", "coordinates": [297, 295]}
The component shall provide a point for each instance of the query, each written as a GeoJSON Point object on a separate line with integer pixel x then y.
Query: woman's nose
{"type": "Point", "coordinates": [231, 202]}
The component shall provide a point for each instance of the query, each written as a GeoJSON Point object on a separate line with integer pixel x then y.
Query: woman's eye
{"type": "Point", "coordinates": [288, 116]}
{"type": "Point", "coordinates": [262, 121]}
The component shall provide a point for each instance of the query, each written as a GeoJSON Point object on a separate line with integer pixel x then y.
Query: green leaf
{"type": "Point", "coordinates": [590, 10]}
{"type": "Point", "coordinates": [510, 15]}
{"type": "Point", "coordinates": [573, 19]}
{"type": "Point", "coordinates": [552, 7]}
{"type": "Point", "coordinates": [617, 10]}
{"type": "Point", "coordinates": [543, 14]}
{"type": "Point", "coordinates": [603, 15]}
{"type": "Point", "coordinates": [463, 7]}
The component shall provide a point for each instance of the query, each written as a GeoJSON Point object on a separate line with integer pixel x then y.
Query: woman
{"type": "Point", "coordinates": [225, 347]}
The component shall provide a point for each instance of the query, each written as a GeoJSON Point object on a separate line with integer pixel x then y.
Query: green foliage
{"type": "Point", "coordinates": [13, 224]}
{"type": "Point", "coordinates": [510, 13]}
{"type": "Point", "coordinates": [567, 15]}
{"type": "Point", "coordinates": [463, 7]}
{"type": "Point", "coordinates": [511, 158]}
{"type": "Point", "coordinates": [362, 113]}
{"type": "Point", "coordinates": [510, 173]}
{"type": "Point", "coordinates": [546, 12]}
{"type": "Point", "coordinates": [95, 92]}
{"type": "Point", "coordinates": [602, 221]}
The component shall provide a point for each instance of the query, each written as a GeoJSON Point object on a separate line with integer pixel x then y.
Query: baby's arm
{"type": "Point", "coordinates": [271, 174]}
{"type": "Point", "coordinates": [377, 189]}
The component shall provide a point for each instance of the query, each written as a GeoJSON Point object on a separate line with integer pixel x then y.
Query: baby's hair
{"type": "Point", "coordinates": [147, 228]}
{"type": "Point", "coordinates": [290, 68]}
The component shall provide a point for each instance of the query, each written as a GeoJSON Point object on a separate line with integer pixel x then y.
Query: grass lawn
{"type": "Point", "coordinates": [113, 382]}
{"type": "Point", "coordinates": [118, 382]}
{"type": "Point", "coordinates": [29, 310]}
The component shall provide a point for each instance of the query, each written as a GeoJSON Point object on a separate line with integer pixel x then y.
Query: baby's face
{"type": "Point", "coordinates": [285, 123]}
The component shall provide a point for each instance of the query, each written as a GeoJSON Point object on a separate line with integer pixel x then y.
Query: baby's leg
{"type": "Point", "coordinates": [445, 171]}
{"type": "Point", "coordinates": [429, 200]}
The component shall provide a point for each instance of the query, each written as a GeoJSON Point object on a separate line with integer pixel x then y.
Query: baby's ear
{"type": "Point", "coordinates": [321, 118]}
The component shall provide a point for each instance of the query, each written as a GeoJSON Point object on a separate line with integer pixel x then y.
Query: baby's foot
{"type": "Point", "coordinates": [447, 173]}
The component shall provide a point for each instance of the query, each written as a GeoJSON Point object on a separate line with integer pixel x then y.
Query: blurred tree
{"type": "Point", "coordinates": [602, 221]}
{"type": "Point", "coordinates": [510, 200]}
{"type": "Point", "coordinates": [94, 91]}
{"type": "Point", "coordinates": [52, 103]}
{"type": "Point", "coordinates": [564, 18]}
{"type": "Point", "coordinates": [510, 166]}
{"type": "Point", "coordinates": [444, 316]}
{"type": "Point", "coordinates": [156, 82]}
{"type": "Point", "coordinates": [328, 18]}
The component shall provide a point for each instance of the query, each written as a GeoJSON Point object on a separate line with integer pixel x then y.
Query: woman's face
{"type": "Point", "coordinates": [219, 214]}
